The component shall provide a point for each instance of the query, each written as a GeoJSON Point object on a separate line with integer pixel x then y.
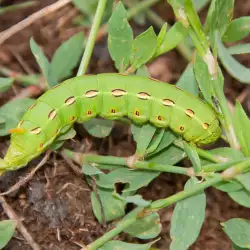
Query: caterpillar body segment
{"type": "Point", "coordinates": [110, 96]}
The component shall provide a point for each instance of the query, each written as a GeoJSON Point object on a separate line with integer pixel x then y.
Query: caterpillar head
{"type": "Point", "coordinates": [14, 159]}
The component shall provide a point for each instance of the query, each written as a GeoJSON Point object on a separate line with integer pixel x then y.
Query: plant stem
{"type": "Point", "coordinates": [92, 37]}
{"type": "Point", "coordinates": [128, 220]}
{"type": "Point", "coordinates": [26, 79]}
{"type": "Point", "coordinates": [184, 194]}
{"type": "Point", "coordinates": [112, 160]}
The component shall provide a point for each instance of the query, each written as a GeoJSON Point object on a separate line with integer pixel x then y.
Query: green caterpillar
{"type": "Point", "coordinates": [110, 96]}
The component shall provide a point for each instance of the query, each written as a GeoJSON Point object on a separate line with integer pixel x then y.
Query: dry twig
{"type": "Point", "coordinates": [21, 228]}
{"type": "Point", "coordinates": [32, 18]}
{"type": "Point", "coordinates": [29, 176]}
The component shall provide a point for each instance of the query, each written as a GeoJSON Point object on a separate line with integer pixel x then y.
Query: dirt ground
{"type": "Point", "coordinates": [55, 204]}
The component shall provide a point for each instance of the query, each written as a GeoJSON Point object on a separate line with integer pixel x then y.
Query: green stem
{"type": "Point", "coordinates": [26, 79]}
{"type": "Point", "coordinates": [122, 161]}
{"type": "Point", "coordinates": [204, 154]}
{"type": "Point", "coordinates": [218, 166]}
{"type": "Point", "coordinates": [184, 194]}
{"type": "Point", "coordinates": [128, 220]}
{"type": "Point", "coordinates": [226, 120]}
{"type": "Point", "coordinates": [92, 37]}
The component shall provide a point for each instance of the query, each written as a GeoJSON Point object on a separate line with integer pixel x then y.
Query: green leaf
{"type": "Point", "coordinates": [169, 156]}
{"type": "Point", "coordinates": [220, 18]}
{"type": "Point", "coordinates": [12, 112]}
{"type": "Point", "coordinates": [204, 79]}
{"type": "Point", "coordinates": [119, 245]}
{"type": "Point", "coordinates": [233, 67]}
{"type": "Point", "coordinates": [166, 139]}
{"type": "Point", "coordinates": [194, 20]}
{"type": "Point", "coordinates": [2, 120]}
{"type": "Point", "coordinates": [143, 136]}
{"type": "Point", "coordinates": [120, 38]}
{"type": "Point", "coordinates": [192, 154]}
{"type": "Point", "coordinates": [238, 29]}
{"type": "Point", "coordinates": [155, 142]}
{"type": "Point", "coordinates": [72, 50]}
{"type": "Point", "coordinates": [161, 35]}
{"type": "Point", "coordinates": [187, 219]}
{"type": "Point", "coordinates": [229, 186]}
{"type": "Point", "coordinates": [7, 229]}
{"type": "Point", "coordinates": [143, 71]}
{"type": "Point", "coordinates": [241, 125]}
{"type": "Point", "coordinates": [98, 127]}
{"type": "Point", "coordinates": [200, 4]}
{"type": "Point", "coordinates": [5, 83]}
{"type": "Point", "coordinates": [239, 49]}
{"type": "Point", "coordinates": [144, 47]}
{"type": "Point", "coordinates": [112, 207]}
{"type": "Point", "coordinates": [172, 38]}
{"type": "Point", "coordinates": [238, 230]}
{"type": "Point", "coordinates": [71, 133]}
{"type": "Point", "coordinates": [89, 169]}
{"type": "Point", "coordinates": [244, 180]}
{"type": "Point", "coordinates": [224, 154]}
{"type": "Point", "coordinates": [135, 178]}
{"type": "Point", "coordinates": [147, 228]}
{"type": "Point", "coordinates": [135, 199]}
{"type": "Point", "coordinates": [187, 81]}
{"type": "Point", "coordinates": [241, 197]}
{"type": "Point", "coordinates": [43, 63]}
{"type": "Point", "coordinates": [235, 247]}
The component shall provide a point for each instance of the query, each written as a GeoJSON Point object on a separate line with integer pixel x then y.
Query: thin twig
{"type": "Point", "coordinates": [92, 37]}
{"type": "Point", "coordinates": [29, 176]}
{"type": "Point", "coordinates": [71, 164]}
{"type": "Point", "coordinates": [32, 18]}
{"type": "Point", "coordinates": [21, 228]}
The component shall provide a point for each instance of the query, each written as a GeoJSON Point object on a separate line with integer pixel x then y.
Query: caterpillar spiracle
{"type": "Point", "coordinates": [110, 96]}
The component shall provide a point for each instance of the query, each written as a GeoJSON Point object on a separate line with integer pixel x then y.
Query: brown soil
{"type": "Point", "coordinates": [55, 205]}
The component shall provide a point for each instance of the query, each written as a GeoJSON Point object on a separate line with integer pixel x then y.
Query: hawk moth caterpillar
{"type": "Point", "coordinates": [110, 96]}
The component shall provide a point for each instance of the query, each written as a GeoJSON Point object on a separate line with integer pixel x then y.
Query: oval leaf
{"type": "Point", "coordinates": [147, 228]}
{"type": "Point", "coordinates": [98, 127]}
{"type": "Point", "coordinates": [187, 219]}
{"type": "Point", "coordinates": [5, 83]}
{"type": "Point", "coordinates": [7, 229]}
{"type": "Point", "coordinates": [120, 38]}
{"type": "Point", "coordinates": [238, 231]}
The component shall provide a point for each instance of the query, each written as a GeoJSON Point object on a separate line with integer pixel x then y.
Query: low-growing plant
{"type": "Point", "coordinates": [158, 150]}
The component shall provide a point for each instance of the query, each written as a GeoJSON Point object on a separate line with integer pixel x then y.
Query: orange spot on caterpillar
{"type": "Point", "coordinates": [159, 117]}
{"type": "Point", "coordinates": [32, 106]}
{"type": "Point", "coordinates": [89, 112]}
{"type": "Point", "coordinates": [190, 112]}
{"type": "Point", "coordinates": [36, 131]}
{"type": "Point", "coordinates": [168, 102]}
{"type": "Point", "coordinates": [137, 113]}
{"type": "Point", "coordinates": [143, 95]}
{"type": "Point", "coordinates": [118, 92]}
{"type": "Point", "coordinates": [181, 128]}
{"type": "Point", "coordinates": [72, 118]}
{"type": "Point", "coordinates": [113, 111]}
{"type": "Point", "coordinates": [91, 93]}
{"type": "Point", "coordinates": [52, 114]}
{"type": "Point", "coordinates": [153, 79]}
{"type": "Point", "coordinates": [17, 131]}
{"type": "Point", "coordinates": [70, 100]}
{"type": "Point", "coordinates": [41, 145]}
{"type": "Point", "coordinates": [205, 125]}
